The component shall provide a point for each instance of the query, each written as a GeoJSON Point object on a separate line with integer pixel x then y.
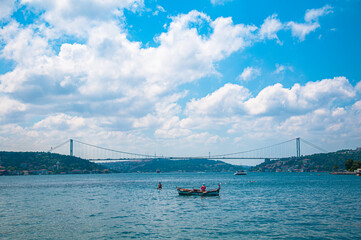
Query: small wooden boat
{"type": "Point", "coordinates": [198, 192]}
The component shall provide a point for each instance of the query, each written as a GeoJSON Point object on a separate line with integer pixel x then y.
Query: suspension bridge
{"type": "Point", "coordinates": [94, 153]}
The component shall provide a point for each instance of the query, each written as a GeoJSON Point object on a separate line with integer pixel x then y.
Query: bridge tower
{"type": "Point", "coordinates": [71, 147]}
{"type": "Point", "coordinates": [298, 147]}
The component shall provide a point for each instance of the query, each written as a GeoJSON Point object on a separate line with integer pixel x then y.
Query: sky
{"type": "Point", "coordinates": [191, 77]}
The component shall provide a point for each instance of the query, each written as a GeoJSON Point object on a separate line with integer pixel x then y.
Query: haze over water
{"type": "Point", "coordinates": [273, 205]}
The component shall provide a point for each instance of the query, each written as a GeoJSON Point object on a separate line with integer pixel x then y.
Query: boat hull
{"type": "Point", "coordinates": [196, 192]}
{"type": "Point", "coordinates": [240, 172]}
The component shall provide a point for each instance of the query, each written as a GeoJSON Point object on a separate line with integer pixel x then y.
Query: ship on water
{"type": "Point", "coordinates": [240, 172]}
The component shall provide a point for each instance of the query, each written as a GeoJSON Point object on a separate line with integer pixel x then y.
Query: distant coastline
{"type": "Point", "coordinates": [42, 163]}
{"type": "Point", "coordinates": [321, 162]}
{"type": "Point", "coordinates": [342, 173]}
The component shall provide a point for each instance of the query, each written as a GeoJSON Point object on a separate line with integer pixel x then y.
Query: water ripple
{"type": "Point", "coordinates": [272, 206]}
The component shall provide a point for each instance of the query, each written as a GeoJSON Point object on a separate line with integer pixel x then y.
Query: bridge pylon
{"type": "Point", "coordinates": [298, 147]}
{"type": "Point", "coordinates": [71, 147]}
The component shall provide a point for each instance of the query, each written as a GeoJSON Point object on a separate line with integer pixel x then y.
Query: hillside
{"type": "Point", "coordinates": [324, 162]}
{"type": "Point", "coordinates": [24, 163]}
{"type": "Point", "coordinates": [166, 165]}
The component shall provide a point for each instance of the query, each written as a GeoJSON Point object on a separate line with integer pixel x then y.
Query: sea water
{"type": "Point", "coordinates": [129, 206]}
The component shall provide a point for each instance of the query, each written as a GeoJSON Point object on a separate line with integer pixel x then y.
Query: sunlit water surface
{"type": "Point", "coordinates": [113, 206]}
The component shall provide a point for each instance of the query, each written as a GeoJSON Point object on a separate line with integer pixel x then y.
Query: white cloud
{"type": "Point", "coordinates": [228, 100]}
{"type": "Point", "coordinates": [8, 105]}
{"type": "Point", "coordinates": [357, 106]}
{"type": "Point", "coordinates": [164, 110]}
{"type": "Point", "coordinates": [249, 73]}
{"type": "Point", "coordinates": [6, 8]}
{"type": "Point", "coordinates": [25, 46]}
{"type": "Point", "coordinates": [273, 100]}
{"type": "Point", "coordinates": [300, 30]}
{"type": "Point", "coordinates": [60, 122]}
{"type": "Point", "coordinates": [108, 67]}
{"type": "Point", "coordinates": [282, 68]}
{"type": "Point", "coordinates": [219, 2]}
{"type": "Point", "coordinates": [189, 55]}
{"type": "Point", "coordinates": [77, 18]}
{"type": "Point", "coordinates": [358, 87]}
{"type": "Point", "coordinates": [270, 27]}
{"type": "Point", "coordinates": [171, 129]}
{"type": "Point", "coordinates": [308, 111]}
{"type": "Point", "coordinates": [159, 9]}
{"type": "Point", "coordinates": [314, 14]}
{"type": "Point", "coordinates": [109, 75]}
{"type": "Point", "coordinates": [103, 87]}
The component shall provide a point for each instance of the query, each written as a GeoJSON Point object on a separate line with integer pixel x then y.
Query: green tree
{"type": "Point", "coordinates": [335, 167]}
{"type": "Point", "coordinates": [355, 165]}
{"type": "Point", "coordinates": [348, 164]}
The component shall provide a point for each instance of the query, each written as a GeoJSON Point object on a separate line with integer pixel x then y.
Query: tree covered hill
{"type": "Point", "coordinates": [323, 162]}
{"type": "Point", "coordinates": [18, 163]}
{"type": "Point", "coordinates": [168, 165]}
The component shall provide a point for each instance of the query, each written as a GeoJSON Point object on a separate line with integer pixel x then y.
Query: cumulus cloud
{"type": "Point", "coordinates": [276, 98]}
{"type": "Point", "coordinates": [358, 87]}
{"type": "Point", "coordinates": [60, 122]}
{"type": "Point", "coordinates": [108, 67]}
{"type": "Point", "coordinates": [164, 110]}
{"type": "Point", "coordinates": [77, 74]}
{"type": "Point", "coordinates": [273, 100]}
{"type": "Point", "coordinates": [282, 68]}
{"type": "Point", "coordinates": [227, 100]}
{"type": "Point", "coordinates": [270, 27]}
{"type": "Point", "coordinates": [357, 106]}
{"type": "Point", "coordinates": [8, 105]}
{"type": "Point", "coordinates": [6, 8]}
{"type": "Point", "coordinates": [219, 2]}
{"type": "Point", "coordinates": [109, 74]}
{"type": "Point", "coordinates": [249, 73]}
{"type": "Point", "coordinates": [307, 110]}
{"type": "Point", "coordinates": [78, 18]}
{"type": "Point", "coordinates": [158, 10]}
{"type": "Point", "coordinates": [314, 14]}
{"type": "Point", "coordinates": [300, 30]}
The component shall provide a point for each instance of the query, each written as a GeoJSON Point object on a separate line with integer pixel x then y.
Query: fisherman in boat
{"type": "Point", "coordinates": [159, 186]}
{"type": "Point", "coordinates": [203, 188]}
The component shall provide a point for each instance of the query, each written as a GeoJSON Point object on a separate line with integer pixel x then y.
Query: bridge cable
{"type": "Point", "coordinates": [58, 146]}
{"type": "Point", "coordinates": [112, 150]}
{"type": "Point", "coordinates": [313, 145]}
{"type": "Point", "coordinates": [220, 155]}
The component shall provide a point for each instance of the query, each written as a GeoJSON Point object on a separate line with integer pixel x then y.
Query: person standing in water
{"type": "Point", "coordinates": [159, 186]}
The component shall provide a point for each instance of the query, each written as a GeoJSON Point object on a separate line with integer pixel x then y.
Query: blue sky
{"type": "Point", "coordinates": [179, 77]}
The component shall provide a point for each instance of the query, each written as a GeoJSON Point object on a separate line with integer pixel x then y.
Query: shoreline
{"type": "Point", "coordinates": [342, 173]}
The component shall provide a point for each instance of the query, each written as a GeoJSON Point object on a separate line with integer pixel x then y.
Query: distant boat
{"type": "Point", "coordinates": [197, 192]}
{"type": "Point", "coordinates": [358, 172]}
{"type": "Point", "coordinates": [157, 171]}
{"type": "Point", "coordinates": [240, 172]}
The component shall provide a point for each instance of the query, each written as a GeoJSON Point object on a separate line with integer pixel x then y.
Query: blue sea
{"type": "Point", "coordinates": [128, 206]}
